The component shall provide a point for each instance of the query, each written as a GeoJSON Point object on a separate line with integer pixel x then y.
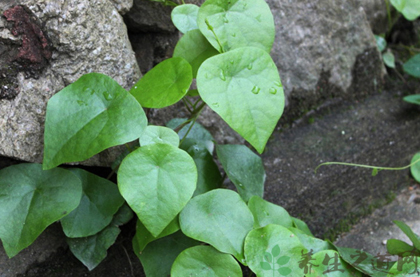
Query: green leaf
{"type": "Point", "coordinates": [248, 175]}
{"type": "Point", "coordinates": [220, 218]}
{"type": "Point", "coordinates": [362, 261]}
{"type": "Point", "coordinates": [158, 257]}
{"type": "Point", "coordinates": [266, 238]}
{"type": "Point", "coordinates": [409, 233]}
{"type": "Point", "coordinates": [398, 247]}
{"type": "Point", "coordinates": [159, 134]}
{"type": "Point", "coordinates": [408, 266]}
{"type": "Point", "coordinates": [194, 48]}
{"type": "Point", "coordinates": [389, 59]}
{"type": "Point", "coordinates": [164, 85]}
{"type": "Point", "coordinates": [380, 42]}
{"type": "Point", "coordinates": [157, 180]}
{"type": "Point", "coordinates": [283, 260]}
{"type": "Point", "coordinates": [143, 237]}
{"type": "Point", "coordinates": [415, 169]}
{"type": "Point", "coordinates": [93, 249]}
{"type": "Point", "coordinates": [208, 172]}
{"type": "Point", "coordinates": [243, 86]}
{"type": "Point", "coordinates": [268, 213]}
{"type": "Point", "coordinates": [184, 17]}
{"type": "Point", "coordinates": [328, 263]}
{"type": "Point", "coordinates": [82, 118]}
{"type": "Point", "coordinates": [100, 201]}
{"type": "Point", "coordinates": [203, 260]}
{"type": "Point", "coordinates": [238, 23]}
{"type": "Point", "coordinates": [31, 199]}
{"type": "Point", "coordinates": [310, 242]}
{"type": "Point", "coordinates": [412, 66]}
{"type": "Point", "coordinates": [413, 99]}
{"type": "Point", "coordinates": [299, 224]}
{"type": "Point", "coordinates": [409, 8]}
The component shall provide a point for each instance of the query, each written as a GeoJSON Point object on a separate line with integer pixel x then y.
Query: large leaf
{"type": "Point", "coordinates": [195, 48]}
{"type": "Point", "coordinates": [31, 199]}
{"type": "Point", "coordinates": [329, 263]}
{"type": "Point", "coordinates": [93, 249]}
{"type": "Point", "coordinates": [413, 99]}
{"type": "Point", "coordinates": [164, 85]}
{"type": "Point", "coordinates": [88, 116]}
{"type": "Point", "coordinates": [409, 8]}
{"type": "Point", "coordinates": [184, 17]}
{"type": "Point", "coordinates": [220, 218]}
{"type": "Point", "coordinates": [268, 213]}
{"type": "Point", "coordinates": [412, 66]}
{"type": "Point", "coordinates": [159, 134]}
{"type": "Point", "coordinates": [408, 266]}
{"type": "Point", "coordinates": [273, 251]}
{"type": "Point", "coordinates": [208, 172]}
{"type": "Point", "coordinates": [100, 201]}
{"type": "Point", "coordinates": [203, 260]}
{"type": "Point", "coordinates": [237, 23]}
{"type": "Point", "coordinates": [244, 168]}
{"type": "Point", "coordinates": [415, 169]}
{"type": "Point", "coordinates": [157, 180]}
{"type": "Point", "coordinates": [159, 255]}
{"type": "Point", "coordinates": [243, 86]}
{"type": "Point", "coordinates": [143, 237]}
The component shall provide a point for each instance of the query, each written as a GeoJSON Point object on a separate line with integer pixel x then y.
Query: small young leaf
{"type": "Point", "coordinates": [398, 247]}
{"type": "Point", "coordinates": [100, 201]}
{"type": "Point", "coordinates": [407, 266]}
{"type": "Point", "coordinates": [374, 172]}
{"type": "Point", "coordinates": [143, 237]}
{"type": "Point", "coordinates": [243, 86]}
{"type": "Point", "coordinates": [283, 260]}
{"type": "Point", "coordinates": [409, 8]}
{"type": "Point", "coordinates": [380, 42]}
{"type": "Point", "coordinates": [389, 59]}
{"type": "Point", "coordinates": [184, 17]}
{"type": "Point", "coordinates": [164, 85]}
{"type": "Point", "coordinates": [266, 238]}
{"type": "Point", "coordinates": [195, 48]}
{"type": "Point", "coordinates": [228, 25]}
{"type": "Point", "coordinates": [409, 233]}
{"type": "Point", "coordinates": [31, 199]}
{"type": "Point", "coordinates": [157, 180]}
{"type": "Point", "coordinates": [413, 99]}
{"type": "Point", "coordinates": [248, 175]}
{"type": "Point", "coordinates": [268, 213]}
{"type": "Point", "coordinates": [158, 257]}
{"type": "Point", "coordinates": [415, 169]}
{"type": "Point", "coordinates": [203, 260]}
{"type": "Point", "coordinates": [159, 134]}
{"type": "Point", "coordinates": [412, 66]}
{"type": "Point", "coordinates": [275, 251]}
{"type": "Point", "coordinates": [82, 118]}
{"type": "Point", "coordinates": [220, 218]}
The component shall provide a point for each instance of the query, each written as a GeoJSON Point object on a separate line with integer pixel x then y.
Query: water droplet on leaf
{"type": "Point", "coordinates": [278, 84]}
{"type": "Point", "coordinates": [107, 95]}
{"type": "Point", "coordinates": [256, 90]}
{"type": "Point", "coordinates": [273, 90]}
{"type": "Point", "coordinates": [258, 18]}
{"type": "Point", "coordinates": [249, 66]}
{"type": "Point", "coordinates": [80, 102]}
{"type": "Point", "coordinates": [89, 90]}
{"type": "Point", "coordinates": [232, 61]}
{"type": "Point", "coordinates": [225, 20]}
{"type": "Point", "coordinates": [240, 185]}
{"type": "Point", "coordinates": [222, 75]}
{"type": "Point", "coordinates": [216, 105]}
{"type": "Point", "coordinates": [234, 35]}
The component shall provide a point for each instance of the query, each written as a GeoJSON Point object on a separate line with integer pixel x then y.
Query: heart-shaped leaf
{"type": "Point", "coordinates": [409, 8]}
{"type": "Point", "coordinates": [410, 266]}
{"type": "Point", "coordinates": [389, 59]}
{"type": "Point", "coordinates": [238, 23]}
{"type": "Point", "coordinates": [398, 247]}
{"type": "Point", "coordinates": [277, 239]}
{"type": "Point", "coordinates": [243, 86]}
{"type": "Point", "coordinates": [409, 233]}
{"type": "Point", "coordinates": [220, 218]}
{"type": "Point", "coordinates": [184, 17]}
{"type": "Point", "coordinates": [248, 175]}
{"type": "Point", "coordinates": [100, 201]}
{"type": "Point", "coordinates": [157, 180]}
{"type": "Point", "coordinates": [164, 85]}
{"type": "Point", "coordinates": [412, 66]}
{"type": "Point", "coordinates": [195, 48]}
{"type": "Point", "coordinates": [31, 199]}
{"type": "Point", "coordinates": [268, 213]}
{"type": "Point", "coordinates": [413, 99]}
{"type": "Point", "coordinates": [203, 260]}
{"type": "Point", "coordinates": [159, 134]}
{"type": "Point", "coordinates": [88, 116]}
{"type": "Point", "coordinates": [415, 169]}
{"type": "Point", "coordinates": [380, 42]}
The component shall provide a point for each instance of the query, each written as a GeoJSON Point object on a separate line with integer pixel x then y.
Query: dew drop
{"type": "Point", "coordinates": [225, 20]}
{"type": "Point", "coordinates": [240, 185]}
{"type": "Point", "coordinates": [232, 61]}
{"type": "Point", "coordinates": [107, 95]}
{"type": "Point", "coordinates": [222, 75]}
{"type": "Point", "coordinates": [207, 75]}
{"type": "Point", "coordinates": [80, 102]}
{"type": "Point", "coordinates": [216, 105]}
{"type": "Point", "coordinates": [258, 18]}
{"type": "Point", "coordinates": [273, 90]}
{"type": "Point", "coordinates": [278, 84]}
{"type": "Point", "coordinates": [256, 90]}
{"type": "Point", "coordinates": [234, 35]}
{"type": "Point", "coordinates": [249, 66]}
{"type": "Point", "coordinates": [89, 90]}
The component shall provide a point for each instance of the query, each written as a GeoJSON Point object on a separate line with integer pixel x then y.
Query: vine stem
{"type": "Point", "coordinates": [193, 118]}
{"type": "Point", "coordinates": [368, 166]}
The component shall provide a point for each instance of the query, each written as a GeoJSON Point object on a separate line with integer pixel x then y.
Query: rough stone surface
{"type": "Point", "coordinates": [61, 42]}
{"type": "Point", "coordinates": [376, 14]}
{"type": "Point", "coordinates": [122, 6]}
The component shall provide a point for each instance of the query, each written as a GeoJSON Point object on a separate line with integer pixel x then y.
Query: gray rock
{"type": "Point", "coordinates": [122, 6]}
{"type": "Point", "coordinates": [77, 37]}
{"type": "Point", "coordinates": [376, 14]}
